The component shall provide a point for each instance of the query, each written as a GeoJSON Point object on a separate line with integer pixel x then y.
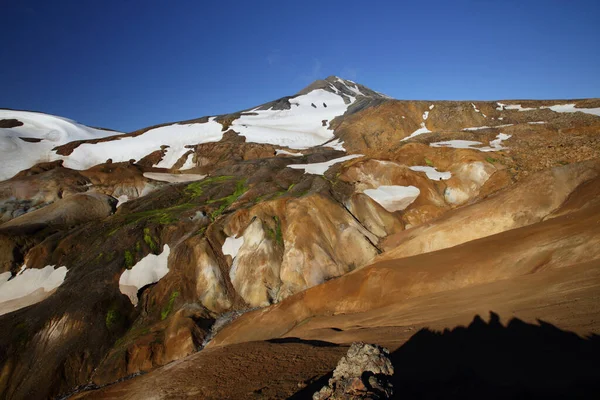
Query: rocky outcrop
{"type": "Point", "coordinates": [363, 373]}
{"type": "Point", "coordinates": [280, 257]}
{"type": "Point", "coordinates": [21, 234]}
{"type": "Point", "coordinates": [37, 187]}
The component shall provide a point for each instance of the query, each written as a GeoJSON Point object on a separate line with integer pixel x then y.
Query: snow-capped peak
{"type": "Point", "coordinates": [345, 88]}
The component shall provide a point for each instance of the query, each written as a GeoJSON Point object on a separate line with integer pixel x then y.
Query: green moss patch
{"type": "Point", "coordinates": [275, 234]}
{"type": "Point", "coordinates": [150, 241]}
{"type": "Point", "coordinates": [240, 189]}
{"type": "Point", "coordinates": [161, 216]}
{"type": "Point", "coordinates": [112, 317]}
{"type": "Point", "coordinates": [169, 307]}
{"type": "Point", "coordinates": [196, 189]}
{"type": "Point", "coordinates": [129, 259]}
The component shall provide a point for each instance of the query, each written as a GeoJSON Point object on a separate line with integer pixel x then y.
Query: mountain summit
{"type": "Point", "coordinates": [343, 87]}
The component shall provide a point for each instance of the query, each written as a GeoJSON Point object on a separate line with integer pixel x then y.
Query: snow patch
{"type": "Point", "coordinates": [176, 136]}
{"type": "Point", "coordinates": [149, 269]}
{"type": "Point", "coordinates": [431, 106]}
{"type": "Point", "coordinates": [425, 115]}
{"type": "Point", "coordinates": [517, 107]}
{"type": "Point", "coordinates": [336, 144]}
{"type": "Point", "coordinates": [420, 131]}
{"type": "Point", "coordinates": [173, 178]}
{"type": "Point", "coordinates": [17, 154]}
{"type": "Point", "coordinates": [457, 144]}
{"type": "Point", "coordinates": [570, 108]}
{"type": "Point", "coordinates": [432, 173]}
{"type": "Point", "coordinates": [232, 245]}
{"type": "Point", "coordinates": [189, 162]}
{"type": "Point", "coordinates": [28, 282]}
{"type": "Point", "coordinates": [495, 145]}
{"type": "Point", "coordinates": [476, 128]}
{"type": "Point", "coordinates": [122, 199]}
{"type": "Point", "coordinates": [321, 168]}
{"type": "Point", "coordinates": [537, 122]}
{"type": "Point", "coordinates": [393, 198]}
{"type": "Point", "coordinates": [297, 128]}
{"type": "Point", "coordinates": [280, 152]}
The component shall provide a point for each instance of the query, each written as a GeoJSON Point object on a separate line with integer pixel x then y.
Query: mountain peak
{"type": "Point", "coordinates": [344, 87]}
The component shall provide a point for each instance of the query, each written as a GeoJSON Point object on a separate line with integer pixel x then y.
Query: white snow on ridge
{"type": "Point", "coordinates": [336, 144]}
{"type": "Point", "coordinates": [477, 128]}
{"type": "Point", "coordinates": [354, 88]}
{"type": "Point", "coordinates": [393, 198]}
{"type": "Point", "coordinates": [420, 131]}
{"type": "Point", "coordinates": [232, 245]}
{"type": "Point", "coordinates": [173, 178]}
{"type": "Point", "coordinates": [122, 199]}
{"type": "Point", "coordinates": [17, 154]}
{"type": "Point", "coordinates": [189, 163]}
{"type": "Point", "coordinates": [477, 110]}
{"type": "Point", "coordinates": [149, 269]}
{"type": "Point", "coordinates": [175, 136]}
{"type": "Point", "coordinates": [495, 145]}
{"type": "Point", "coordinates": [29, 286]}
{"type": "Point", "coordinates": [570, 108]}
{"type": "Point", "coordinates": [432, 173]}
{"type": "Point", "coordinates": [279, 152]}
{"type": "Point", "coordinates": [457, 144]}
{"type": "Point", "coordinates": [322, 167]}
{"type": "Point", "coordinates": [297, 128]}
{"type": "Point", "coordinates": [517, 107]}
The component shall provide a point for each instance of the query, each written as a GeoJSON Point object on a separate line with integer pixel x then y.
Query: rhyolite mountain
{"type": "Point", "coordinates": [254, 247]}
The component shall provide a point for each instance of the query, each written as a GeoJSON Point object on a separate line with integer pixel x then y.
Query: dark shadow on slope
{"type": "Point", "coordinates": [487, 360]}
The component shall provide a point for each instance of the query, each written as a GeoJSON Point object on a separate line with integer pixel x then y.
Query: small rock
{"type": "Point", "coordinates": [363, 373]}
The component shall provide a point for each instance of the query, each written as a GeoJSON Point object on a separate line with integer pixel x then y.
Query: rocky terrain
{"type": "Point", "coordinates": [240, 255]}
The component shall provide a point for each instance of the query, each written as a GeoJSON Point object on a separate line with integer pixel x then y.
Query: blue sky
{"type": "Point", "coordinates": [130, 64]}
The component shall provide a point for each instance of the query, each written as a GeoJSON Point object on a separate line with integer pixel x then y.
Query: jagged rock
{"type": "Point", "coordinates": [363, 373]}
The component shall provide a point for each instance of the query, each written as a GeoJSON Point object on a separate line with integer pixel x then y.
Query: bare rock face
{"type": "Point", "coordinates": [363, 373]}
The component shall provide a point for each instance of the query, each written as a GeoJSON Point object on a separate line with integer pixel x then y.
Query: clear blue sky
{"type": "Point", "coordinates": [129, 64]}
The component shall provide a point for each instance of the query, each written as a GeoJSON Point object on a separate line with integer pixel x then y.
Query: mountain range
{"type": "Point", "coordinates": [238, 255]}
